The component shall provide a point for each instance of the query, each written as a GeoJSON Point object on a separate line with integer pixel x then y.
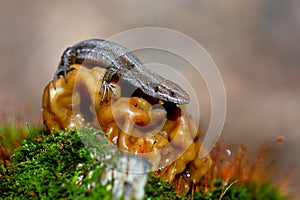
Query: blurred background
{"type": "Point", "coordinates": [254, 43]}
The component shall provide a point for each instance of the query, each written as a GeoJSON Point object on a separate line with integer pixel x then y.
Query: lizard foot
{"type": "Point", "coordinates": [106, 88]}
{"type": "Point", "coordinates": [61, 72]}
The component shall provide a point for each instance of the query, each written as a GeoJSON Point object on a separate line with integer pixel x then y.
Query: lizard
{"type": "Point", "coordinates": [120, 62]}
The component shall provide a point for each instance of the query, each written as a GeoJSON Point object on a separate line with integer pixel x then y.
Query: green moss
{"type": "Point", "coordinates": [51, 167]}
{"type": "Point", "coordinates": [158, 189]}
{"type": "Point", "coordinates": [59, 166]}
{"type": "Point", "coordinates": [236, 191]}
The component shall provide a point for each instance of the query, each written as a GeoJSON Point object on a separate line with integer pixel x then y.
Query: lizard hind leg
{"type": "Point", "coordinates": [107, 85]}
{"type": "Point", "coordinates": [106, 88]}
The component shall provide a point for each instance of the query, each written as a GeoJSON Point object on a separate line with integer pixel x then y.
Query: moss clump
{"type": "Point", "coordinates": [57, 165]}
{"type": "Point", "coordinates": [53, 166]}
{"type": "Point", "coordinates": [159, 189]}
{"type": "Point", "coordinates": [236, 191]}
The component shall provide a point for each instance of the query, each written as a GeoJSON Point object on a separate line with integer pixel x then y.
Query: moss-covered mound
{"type": "Point", "coordinates": [58, 166]}
{"type": "Point", "coordinates": [51, 167]}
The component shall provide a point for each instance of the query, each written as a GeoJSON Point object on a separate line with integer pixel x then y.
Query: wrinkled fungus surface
{"type": "Point", "coordinates": [168, 139]}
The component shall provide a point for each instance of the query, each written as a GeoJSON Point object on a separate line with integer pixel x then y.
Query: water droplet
{"type": "Point", "coordinates": [228, 152]}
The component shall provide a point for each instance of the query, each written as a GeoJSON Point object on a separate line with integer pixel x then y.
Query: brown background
{"type": "Point", "coordinates": [254, 43]}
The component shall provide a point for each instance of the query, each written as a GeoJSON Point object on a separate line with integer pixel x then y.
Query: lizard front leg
{"type": "Point", "coordinates": [64, 65]}
{"type": "Point", "coordinates": [61, 71]}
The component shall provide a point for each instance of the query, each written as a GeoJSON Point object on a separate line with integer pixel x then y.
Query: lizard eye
{"type": "Point", "coordinates": [172, 93]}
{"type": "Point", "coordinates": [156, 89]}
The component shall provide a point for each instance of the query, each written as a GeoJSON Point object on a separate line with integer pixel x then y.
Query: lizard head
{"type": "Point", "coordinates": [169, 92]}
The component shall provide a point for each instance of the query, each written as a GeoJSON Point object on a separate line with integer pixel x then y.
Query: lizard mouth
{"type": "Point", "coordinates": [171, 92]}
